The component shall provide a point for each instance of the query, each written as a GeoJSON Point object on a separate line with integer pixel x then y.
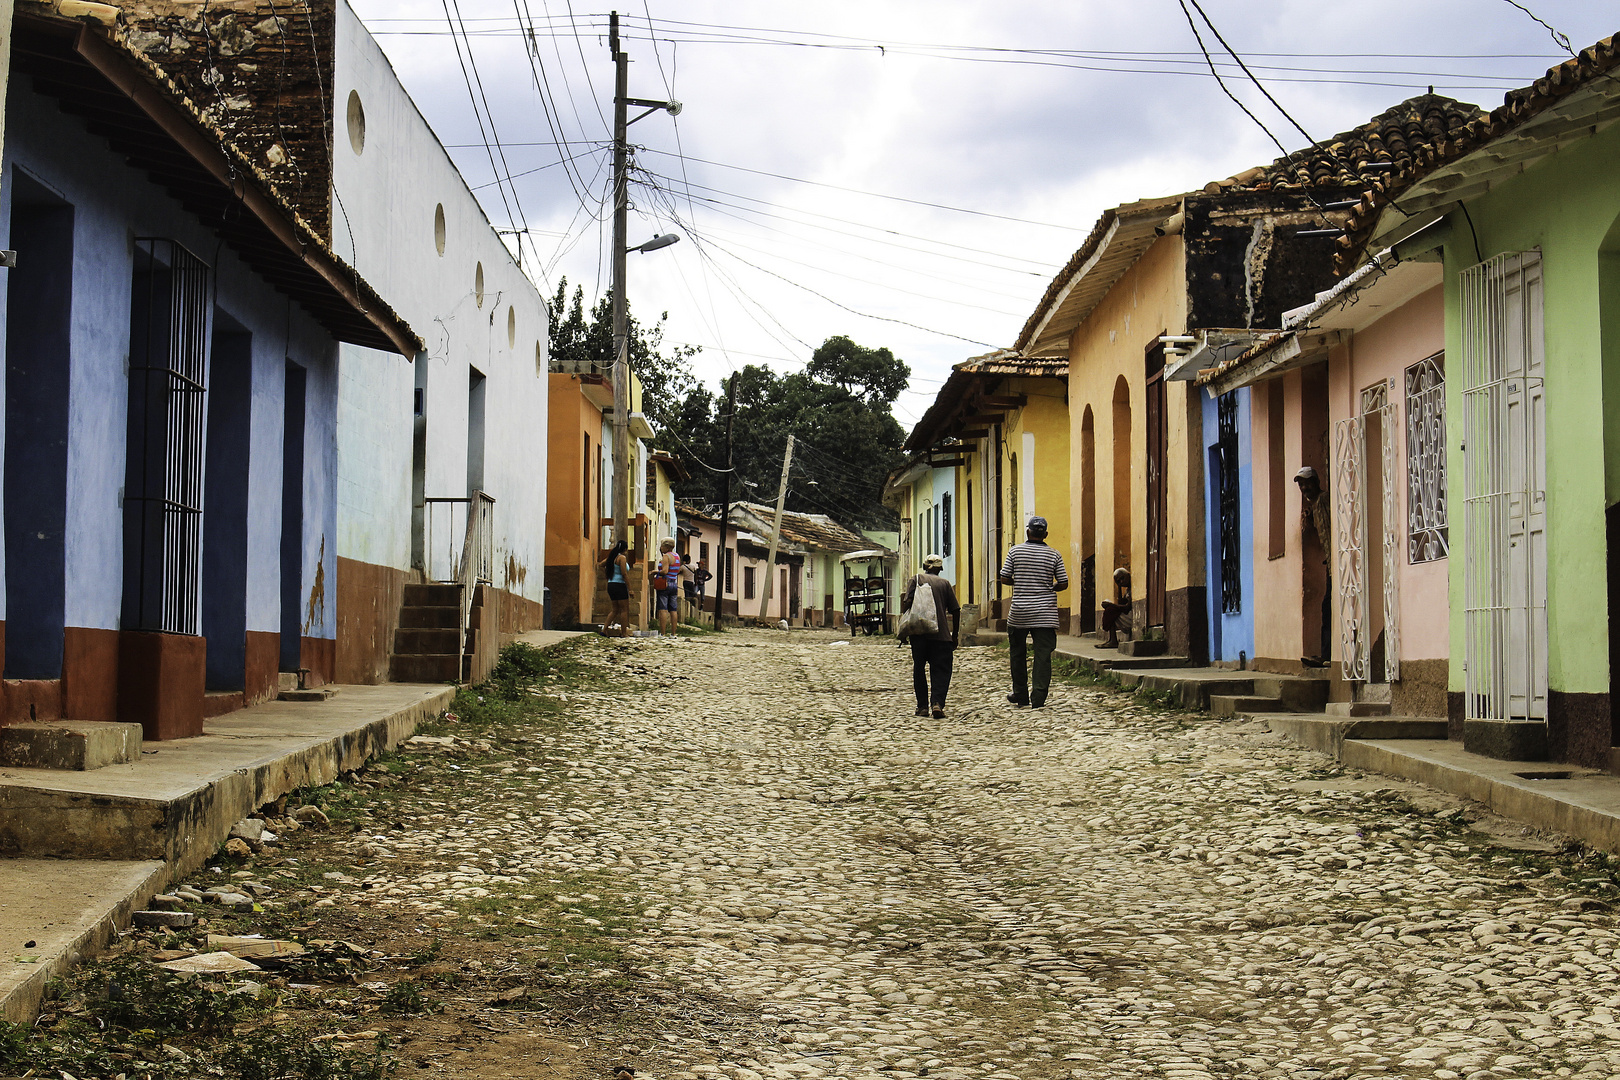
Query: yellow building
{"type": "Point", "coordinates": [991, 452]}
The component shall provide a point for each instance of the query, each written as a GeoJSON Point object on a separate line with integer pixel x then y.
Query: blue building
{"type": "Point", "coordinates": [1229, 526]}
{"type": "Point", "coordinates": [172, 331]}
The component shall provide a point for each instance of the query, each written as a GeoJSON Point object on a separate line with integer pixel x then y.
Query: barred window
{"type": "Point", "coordinates": [748, 583]}
{"type": "Point", "coordinates": [1427, 536]}
{"type": "Point", "coordinates": [945, 525]}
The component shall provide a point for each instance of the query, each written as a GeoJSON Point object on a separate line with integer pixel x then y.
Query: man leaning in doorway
{"type": "Point", "coordinates": [1317, 516]}
{"type": "Point", "coordinates": [1036, 573]}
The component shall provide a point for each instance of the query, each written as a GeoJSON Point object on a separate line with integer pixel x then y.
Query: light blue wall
{"type": "Point", "coordinates": [114, 204]}
{"type": "Point", "coordinates": [1229, 635]}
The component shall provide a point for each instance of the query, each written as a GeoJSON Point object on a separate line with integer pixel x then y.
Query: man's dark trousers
{"type": "Point", "coordinates": [926, 654]}
{"type": "Point", "coordinates": [1045, 639]}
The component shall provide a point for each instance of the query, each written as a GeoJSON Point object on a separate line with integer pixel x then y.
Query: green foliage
{"type": "Point", "coordinates": [407, 998]}
{"type": "Point", "coordinates": [666, 378]}
{"type": "Point", "coordinates": [839, 412]}
{"type": "Point", "coordinates": [13, 1046]}
{"type": "Point", "coordinates": [144, 999]}
{"type": "Point", "coordinates": [270, 1055]}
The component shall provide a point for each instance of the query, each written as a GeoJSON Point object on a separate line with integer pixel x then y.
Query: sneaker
{"type": "Point", "coordinates": [921, 712]}
{"type": "Point", "coordinates": [1017, 699]}
{"type": "Point", "coordinates": [939, 712]}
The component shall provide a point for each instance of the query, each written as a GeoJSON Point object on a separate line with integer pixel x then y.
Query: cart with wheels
{"type": "Point", "coordinates": [866, 592]}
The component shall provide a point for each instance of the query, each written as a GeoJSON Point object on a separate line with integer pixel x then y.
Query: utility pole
{"type": "Point", "coordinates": [725, 507]}
{"type": "Point", "coordinates": [621, 207]}
{"type": "Point", "coordinates": [621, 342]}
{"type": "Point", "coordinates": [776, 531]}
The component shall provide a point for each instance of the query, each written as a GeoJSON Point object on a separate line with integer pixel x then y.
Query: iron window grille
{"type": "Point", "coordinates": [1427, 536]}
{"type": "Point", "coordinates": [1504, 489]}
{"type": "Point", "coordinates": [1226, 449]}
{"type": "Point", "coordinates": [173, 298]}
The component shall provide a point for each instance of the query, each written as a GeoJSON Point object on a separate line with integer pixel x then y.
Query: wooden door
{"type": "Point", "coordinates": [1156, 490]}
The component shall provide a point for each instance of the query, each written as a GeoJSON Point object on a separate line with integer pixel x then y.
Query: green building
{"type": "Point", "coordinates": [1523, 211]}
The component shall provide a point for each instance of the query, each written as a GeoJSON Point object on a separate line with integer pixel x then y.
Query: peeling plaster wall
{"type": "Point", "coordinates": [112, 204]}
{"type": "Point", "coordinates": [386, 197]}
{"type": "Point", "coordinates": [1246, 263]}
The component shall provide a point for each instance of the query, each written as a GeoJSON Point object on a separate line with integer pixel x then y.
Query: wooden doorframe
{"type": "Point", "coordinates": [1155, 429]}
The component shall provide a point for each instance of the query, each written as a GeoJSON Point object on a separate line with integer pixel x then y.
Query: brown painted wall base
{"type": "Point", "coordinates": [319, 655]}
{"type": "Point", "coordinates": [263, 680]}
{"type": "Point", "coordinates": [160, 683]}
{"type": "Point", "coordinates": [1421, 690]}
{"type": "Point", "coordinates": [563, 581]}
{"type": "Point", "coordinates": [1578, 728]}
{"type": "Point", "coordinates": [519, 614]}
{"type": "Point", "coordinates": [368, 602]}
{"type": "Point", "coordinates": [89, 673]}
{"type": "Point", "coordinates": [33, 699]}
{"type": "Point", "coordinates": [1186, 623]}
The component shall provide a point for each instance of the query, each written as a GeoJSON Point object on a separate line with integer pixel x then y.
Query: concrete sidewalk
{"type": "Point", "coordinates": [85, 849]}
{"type": "Point", "coordinates": [1583, 803]}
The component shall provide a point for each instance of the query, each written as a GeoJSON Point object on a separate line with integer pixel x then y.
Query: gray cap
{"type": "Point", "coordinates": [934, 562]}
{"type": "Point", "coordinates": [1306, 473]}
{"type": "Point", "coordinates": [1036, 525]}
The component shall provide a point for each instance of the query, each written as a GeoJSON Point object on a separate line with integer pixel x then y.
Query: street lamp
{"type": "Point", "coordinates": [657, 242]}
{"type": "Point", "coordinates": [621, 205]}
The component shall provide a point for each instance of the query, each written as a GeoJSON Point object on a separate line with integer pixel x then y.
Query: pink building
{"type": "Point", "coordinates": [1354, 387]}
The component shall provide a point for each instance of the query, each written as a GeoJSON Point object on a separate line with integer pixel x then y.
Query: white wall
{"type": "Point", "coordinates": [383, 216]}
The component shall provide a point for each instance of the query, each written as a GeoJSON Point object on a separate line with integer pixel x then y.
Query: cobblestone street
{"type": "Point", "coordinates": [1099, 889]}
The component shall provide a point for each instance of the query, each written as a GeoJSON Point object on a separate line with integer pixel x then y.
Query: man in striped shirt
{"type": "Point", "coordinates": [1036, 574]}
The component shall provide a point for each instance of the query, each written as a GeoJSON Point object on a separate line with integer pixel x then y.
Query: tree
{"type": "Point", "coordinates": [837, 410]}
{"type": "Point", "coordinates": [666, 380]}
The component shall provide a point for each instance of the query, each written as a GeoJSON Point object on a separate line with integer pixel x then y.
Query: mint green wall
{"type": "Point", "coordinates": [1565, 205]}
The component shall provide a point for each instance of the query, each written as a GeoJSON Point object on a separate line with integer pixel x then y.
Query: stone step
{"type": "Point", "coordinates": [435, 641]}
{"type": "Point", "coordinates": [1245, 705]}
{"type": "Point", "coordinates": [1143, 648]}
{"type": "Point", "coordinates": [424, 667]}
{"type": "Point", "coordinates": [1357, 708]}
{"type": "Point", "coordinates": [438, 595]}
{"type": "Point", "coordinates": [1297, 694]}
{"type": "Point", "coordinates": [79, 745]}
{"type": "Point", "coordinates": [438, 617]}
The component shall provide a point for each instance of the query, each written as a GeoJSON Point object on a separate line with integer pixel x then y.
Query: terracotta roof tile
{"type": "Point", "coordinates": [1440, 148]}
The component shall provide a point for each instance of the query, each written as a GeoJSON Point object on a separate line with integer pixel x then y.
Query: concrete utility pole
{"type": "Point", "coordinates": [621, 341]}
{"type": "Point", "coordinates": [621, 207]}
{"type": "Point", "coordinates": [776, 531]}
{"type": "Point", "coordinates": [725, 507]}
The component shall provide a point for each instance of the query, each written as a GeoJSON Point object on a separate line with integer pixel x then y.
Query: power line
{"type": "Point", "coordinates": [1559, 38]}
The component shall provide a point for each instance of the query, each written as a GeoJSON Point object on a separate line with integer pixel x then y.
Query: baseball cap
{"type": "Point", "coordinates": [1036, 525]}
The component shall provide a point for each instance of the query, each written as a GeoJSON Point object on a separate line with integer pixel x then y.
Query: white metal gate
{"type": "Point", "coordinates": [1504, 489]}
{"type": "Point", "coordinates": [1352, 481]}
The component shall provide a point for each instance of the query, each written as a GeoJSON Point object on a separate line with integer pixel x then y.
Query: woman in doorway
{"type": "Point", "coordinates": [667, 584]}
{"type": "Point", "coordinates": [932, 654]}
{"type": "Point", "coordinates": [1117, 612]}
{"type": "Point", "coordinates": [617, 561]}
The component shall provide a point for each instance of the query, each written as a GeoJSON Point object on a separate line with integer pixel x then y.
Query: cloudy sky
{"type": "Point", "coordinates": [910, 173]}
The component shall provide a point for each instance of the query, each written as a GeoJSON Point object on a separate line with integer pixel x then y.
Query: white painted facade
{"type": "Point", "coordinates": [405, 219]}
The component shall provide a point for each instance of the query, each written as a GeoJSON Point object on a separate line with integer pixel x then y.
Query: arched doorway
{"type": "Point", "coordinates": [1088, 522]}
{"type": "Point", "coordinates": [1122, 473]}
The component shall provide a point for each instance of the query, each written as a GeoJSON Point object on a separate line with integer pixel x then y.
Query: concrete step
{"type": "Point", "coordinates": [1297, 694]}
{"type": "Point", "coordinates": [424, 667]}
{"type": "Point", "coordinates": [1357, 708]}
{"type": "Point", "coordinates": [439, 617]}
{"type": "Point", "coordinates": [77, 745]}
{"type": "Point", "coordinates": [220, 702]}
{"type": "Point", "coordinates": [409, 640]}
{"type": "Point", "coordinates": [1244, 705]}
{"type": "Point", "coordinates": [1326, 733]}
{"type": "Point", "coordinates": [1143, 648]}
{"type": "Point", "coordinates": [432, 596]}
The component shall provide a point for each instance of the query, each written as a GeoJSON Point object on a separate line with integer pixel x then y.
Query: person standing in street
{"type": "Point", "coordinates": [932, 654]}
{"type": "Point", "coordinates": [1036, 573]}
{"type": "Point", "coordinates": [666, 581]}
